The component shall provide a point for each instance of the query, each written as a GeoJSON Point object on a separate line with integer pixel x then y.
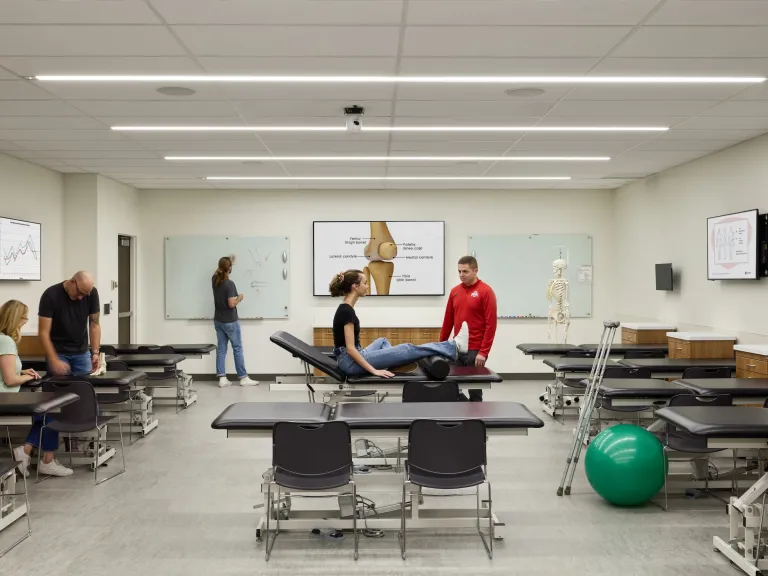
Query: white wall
{"type": "Point", "coordinates": [81, 245]}
{"type": "Point", "coordinates": [663, 219]}
{"type": "Point", "coordinates": [118, 214]}
{"type": "Point", "coordinates": [249, 212]}
{"type": "Point", "coordinates": [34, 193]}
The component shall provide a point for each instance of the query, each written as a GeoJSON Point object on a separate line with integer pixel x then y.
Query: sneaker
{"type": "Point", "coordinates": [462, 339]}
{"type": "Point", "coordinates": [248, 382]}
{"type": "Point", "coordinates": [223, 382]}
{"type": "Point", "coordinates": [20, 456]}
{"type": "Point", "coordinates": [54, 468]}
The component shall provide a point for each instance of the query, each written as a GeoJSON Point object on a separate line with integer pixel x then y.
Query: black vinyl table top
{"type": "Point", "coordinates": [178, 348]}
{"type": "Point", "coordinates": [733, 386]}
{"type": "Point", "coordinates": [147, 360]}
{"type": "Point", "coordinates": [678, 364]}
{"type": "Point", "coordinates": [574, 364]}
{"type": "Point", "coordinates": [640, 388]}
{"type": "Point", "coordinates": [620, 348]}
{"type": "Point", "coordinates": [109, 378]}
{"type": "Point", "coordinates": [458, 374]}
{"type": "Point", "coordinates": [264, 415]}
{"type": "Point", "coordinates": [546, 348]}
{"type": "Point", "coordinates": [718, 421]}
{"type": "Point", "coordinates": [32, 403]}
{"type": "Point", "coordinates": [366, 415]}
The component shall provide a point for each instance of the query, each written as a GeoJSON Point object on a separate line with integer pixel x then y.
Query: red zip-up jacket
{"type": "Point", "coordinates": [475, 305]}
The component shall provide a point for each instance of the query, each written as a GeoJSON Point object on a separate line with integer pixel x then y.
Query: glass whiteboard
{"type": "Point", "coordinates": [518, 268]}
{"type": "Point", "coordinates": [261, 274]}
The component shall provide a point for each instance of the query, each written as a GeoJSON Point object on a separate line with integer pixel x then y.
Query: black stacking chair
{"type": "Point", "coordinates": [159, 376]}
{"type": "Point", "coordinates": [677, 440]}
{"type": "Point", "coordinates": [133, 395]}
{"type": "Point", "coordinates": [310, 458]}
{"type": "Point", "coordinates": [640, 354]}
{"type": "Point", "coordinates": [430, 465]}
{"type": "Point", "coordinates": [80, 417]}
{"type": "Point", "coordinates": [7, 472]}
{"type": "Point", "coordinates": [696, 372]}
{"type": "Point", "coordinates": [622, 372]}
{"type": "Point", "coordinates": [108, 350]}
{"type": "Point", "coordinates": [445, 391]}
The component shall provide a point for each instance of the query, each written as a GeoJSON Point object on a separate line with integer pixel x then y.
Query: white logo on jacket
{"type": "Point", "coordinates": [475, 294]}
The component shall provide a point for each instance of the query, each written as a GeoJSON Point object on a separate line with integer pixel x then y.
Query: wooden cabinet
{"type": "Point", "coordinates": [751, 361]}
{"type": "Point", "coordinates": [395, 335]}
{"type": "Point", "coordinates": [690, 345]}
{"type": "Point", "coordinates": [645, 333]}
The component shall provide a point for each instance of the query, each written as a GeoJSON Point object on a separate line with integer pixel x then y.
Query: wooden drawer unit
{"type": "Point", "coordinates": [715, 349]}
{"type": "Point", "coordinates": [679, 348]}
{"type": "Point", "coordinates": [633, 336]}
{"type": "Point", "coordinates": [751, 365]}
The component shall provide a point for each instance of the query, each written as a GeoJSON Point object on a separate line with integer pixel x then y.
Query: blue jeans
{"type": "Point", "coordinates": [382, 355]}
{"type": "Point", "coordinates": [78, 364]}
{"type": "Point", "coordinates": [229, 332]}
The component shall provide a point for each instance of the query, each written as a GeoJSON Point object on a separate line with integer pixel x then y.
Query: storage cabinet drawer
{"type": "Point", "coordinates": [628, 336]}
{"type": "Point", "coordinates": [752, 363]}
{"type": "Point", "coordinates": [747, 374]}
{"type": "Point", "coordinates": [679, 348]}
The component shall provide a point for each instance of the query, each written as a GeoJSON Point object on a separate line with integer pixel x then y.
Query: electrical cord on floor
{"type": "Point", "coordinates": [369, 504]}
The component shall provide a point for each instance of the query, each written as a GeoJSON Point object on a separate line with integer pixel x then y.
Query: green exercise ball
{"type": "Point", "coordinates": [626, 465]}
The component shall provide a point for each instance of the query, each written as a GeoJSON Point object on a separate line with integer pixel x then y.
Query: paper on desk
{"type": "Point", "coordinates": [102, 366]}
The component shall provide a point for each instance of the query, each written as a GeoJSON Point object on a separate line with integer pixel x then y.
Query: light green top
{"type": "Point", "coordinates": [8, 346]}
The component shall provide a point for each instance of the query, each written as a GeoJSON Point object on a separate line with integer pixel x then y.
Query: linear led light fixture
{"type": "Point", "coordinates": [391, 158]}
{"type": "Point", "coordinates": [421, 178]}
{"type": "Point", "coordinates": [402, 79]}
{"type": "Point", "coordinates": [391, 128]}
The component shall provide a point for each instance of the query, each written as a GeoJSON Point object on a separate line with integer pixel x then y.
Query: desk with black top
{"type": "Point", "coordinates": [619, 348]}
{"type": "Point", "coordinates": [369, 420]}
{"type": "Point", "coordinates": [753, 391]}
{"type": "Point", "coordinates": [674, 367]}
{"type": "Point", "coordinates": [546, 349]}
{"type": "Point", "coordinates": [187, 350]}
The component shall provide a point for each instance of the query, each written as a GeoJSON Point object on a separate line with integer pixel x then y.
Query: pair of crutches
{"type": "Point", "coordinates": [588, 405]}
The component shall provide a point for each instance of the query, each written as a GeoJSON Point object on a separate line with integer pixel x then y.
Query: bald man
{"type": "Point", "coordinates": [68, 315]}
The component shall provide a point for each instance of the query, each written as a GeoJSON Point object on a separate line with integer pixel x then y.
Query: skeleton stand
{"type": "Point", "coordinates": [590, 399]}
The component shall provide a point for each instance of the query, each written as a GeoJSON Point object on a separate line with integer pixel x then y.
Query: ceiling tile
{"type": "Point", "coordinates": [667, 66]}
{"type": "Point", "coordinates": [675, 145]}
{"type": "Point", "coordinates": [22, 90]}
{"type": "Point", "coordinates": [9, 146]}
{"type": "Point", "coordinates": [696, 42]}
{"type": "Point", "coordinates": [346, 93]}
{"type": "Point", "coordinates": [517, 13]}
{"type": "Point", "coordinates": [475, 92]}
{"type": "Point", "coordinates": [156, 108]}
{"type": "Point", "coordinates": [711, 12]}
{"type": "Point", "coordinates": [328, 147]}
{"type": "Point", "coordinates": [298, 65]}
{"type": "Point", "coordinates": [712, 92]}
{"type": "Point", "coordinates": [759, 92]}
{"type": "Point", "coordinates": [702, 135]}
{"type": "Point", "coordinates": [7, 75]}
{"type": "Point", "coordinates": [540, 41]}
{"type": "Point", "coordinates": [37, 108]}
{"type": "Point", "coordinates": [582, 147]}
{"type": "Point", "coordinates": [33, 66]}
{"type": "Point", "coordinates": [65, 135]}
{"type": "Point", "coordinates": [498, 66]}
{"type": "Point", "coordinates": [277, 12]}
{"type": "Point", "coordinates": [752, 108]}
{"type": "Point", "coordinates": [724, 123]}
{"type": "Point", "coordinates": [637, 108]}
{"type": "Point", "coordinates": [204, 146]}
{"type": "Point", "coordinates": [131, 91]}
{"type": "Point", "coordinates": [76, 155]}
{"type": "Point", "coordinates": [289, 40]}
{"type": "Point", "coordinates": [80, 145]}
{"type": "Point", "coordinates": [167, 183]}
{"type": "Point", "coordinates": [506, 110]}
{"type": "Point", "coordinates": [333, 109]}
{"type": "Point", "coordinates": [87, 41]}
{"type": "Point", "coordinates": [80, 12]}
{"type": "Point", "coordinates": [50, 123]}
{"type": "Point", "coordinates": [457, 147]}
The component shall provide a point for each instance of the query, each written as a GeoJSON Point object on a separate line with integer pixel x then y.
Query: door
{"type": "Point", "coordinates": [125, 292]}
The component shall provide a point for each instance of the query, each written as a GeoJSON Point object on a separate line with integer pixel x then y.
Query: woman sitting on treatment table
{"type": "Point", "coordinates": [353, 360]}
{"type": "Point", "coordinates": [13, 316]}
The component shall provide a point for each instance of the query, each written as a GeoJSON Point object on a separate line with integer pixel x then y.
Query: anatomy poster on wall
{"type": "Point", "coordinates": [732, 246]}
{"type": "Point", "coordinates": [398, 258]}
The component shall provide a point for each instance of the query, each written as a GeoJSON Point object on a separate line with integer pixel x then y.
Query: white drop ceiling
{"type": "Point", "coordinates": [67, 126]}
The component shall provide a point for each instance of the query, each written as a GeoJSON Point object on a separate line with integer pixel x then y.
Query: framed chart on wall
{"type": "Point", "coordinates": [732, 246]}
{"type": "Point", "coordinates": [400, 258]}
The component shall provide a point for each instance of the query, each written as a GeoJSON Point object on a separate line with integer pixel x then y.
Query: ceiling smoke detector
{"type": "Point", "coordinates": [524, 92]}
{"type": "Point", "coordinates": [176, 91]}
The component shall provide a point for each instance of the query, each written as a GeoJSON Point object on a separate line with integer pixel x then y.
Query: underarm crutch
{"type": "Point", "coordinates": [594, 382]}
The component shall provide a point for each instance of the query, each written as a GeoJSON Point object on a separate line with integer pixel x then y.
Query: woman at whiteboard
{"type": "Point", "coordinates": [227, 323]}
{"type": "Point", "coordinates": [354, 360]}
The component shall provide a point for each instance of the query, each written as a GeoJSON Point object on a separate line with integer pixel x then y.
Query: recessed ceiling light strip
{"type": "Point", "coordinates": [402, 178]}
{"type": "Point", "coordinates": [390, 158]}
{"type": "Point", "coordinates": [391, 128]}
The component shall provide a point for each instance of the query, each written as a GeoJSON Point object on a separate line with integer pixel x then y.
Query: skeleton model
{"type": "Point", "coordinates": [381, 248]}
{"type": "Point", "coordinates": [559, 311]}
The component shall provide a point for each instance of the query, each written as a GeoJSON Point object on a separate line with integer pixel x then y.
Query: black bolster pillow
{"type": "Point", "coordinates": [436, 367]}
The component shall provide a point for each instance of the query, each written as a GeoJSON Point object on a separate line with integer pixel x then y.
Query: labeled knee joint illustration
{"type": "Point", "coordinates": [380, 249]}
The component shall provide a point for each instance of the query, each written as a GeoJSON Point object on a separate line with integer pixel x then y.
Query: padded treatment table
{"type": "Point", "coordinates": [573, 366]}
{"type": "Point", "coordinates": [742, 390]}
{"type": "Point", "coordinates": [733, 427]}
{"type": "Point", "coordinates": [163, 363]}
{"type": "Point", "coordinates": [186, 350]}
{"type": "Point", "coordinates": [619, 349]}
{"type": "Point", "coordinates": [674, 367]}
{"type": "Point", "coordinates": [382, 420]}
{"type": "Point", "coordinates": [565, 392]}
{"type": "Point", "coordinates": [640, 391]}
{"type": "Point", "coordinates": [546, 349]}
{"type": "Point", "coordinates": [150, 362]}
{"type": "Point", "coordinates": [338, 382]}
{"type": "Point", "coordinates": [112, 382]}
{"type": "Point", "coordinates": [39, 364]}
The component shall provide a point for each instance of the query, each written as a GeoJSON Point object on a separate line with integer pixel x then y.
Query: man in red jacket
{"type": "Point", "coordinates": [474, 302]}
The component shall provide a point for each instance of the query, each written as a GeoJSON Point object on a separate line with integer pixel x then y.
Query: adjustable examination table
{"type": "Point", "coordinates": [186, 350]}
{"type": "Point", "coordinates": [168, 365]}
{"type": "Point", "coordinates": [674, 367]}
{"type": "Point", "coordinates": [339, 383]}
{"type": "Point", "coordinates": [374, 420]}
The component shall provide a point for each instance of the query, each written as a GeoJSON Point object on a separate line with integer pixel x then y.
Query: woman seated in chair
{"type": "Point", "coordinates": [13, 316]}
{"type": "Point", "coordinates": [375, 359]}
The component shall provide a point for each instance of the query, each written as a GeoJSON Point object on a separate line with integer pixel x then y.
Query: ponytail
{"type": "Point", "coordinates": [222, 272]}
{"type": "Point", "coordinates": [342, 283]}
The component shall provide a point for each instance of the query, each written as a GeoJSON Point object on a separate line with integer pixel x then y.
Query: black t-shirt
{"type": "Point", "coordinates": [221, 294]}
{"type": "Point", "coordinates": [69, 318]}
{"type": "Point", "coordinates": [344, 315]}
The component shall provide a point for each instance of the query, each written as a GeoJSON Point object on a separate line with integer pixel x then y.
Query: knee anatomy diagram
{"type": "Point", "coordinates": [381, 248]}
{"type": "Point", "coordinates": [559, 314]}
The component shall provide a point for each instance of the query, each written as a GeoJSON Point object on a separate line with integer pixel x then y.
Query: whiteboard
{"type": "Point", "coordinates": [261, 274]}
{"type": "Point", "coordinates": [518, 268]}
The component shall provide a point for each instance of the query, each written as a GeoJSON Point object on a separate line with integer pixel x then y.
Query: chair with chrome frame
{"type": "Point", "coordinates": [310, 457]}
{"type": "Point", "coordinates": [8, 469]}
{"type": "Point", "coordinates": [444, 391]}
{"type": "Point", "coordinates": [463, 466]}
{"type": "Point", "coordinates": [159, 376]}
{"type": "Point", "coordinates": [80, 417]}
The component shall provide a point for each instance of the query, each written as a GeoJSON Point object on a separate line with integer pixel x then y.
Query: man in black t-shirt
{"type": "Point", "coordinates": [68, 316]}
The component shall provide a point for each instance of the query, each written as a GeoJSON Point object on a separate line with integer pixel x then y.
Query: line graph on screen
{"type": "Point", "coordinates": [20, 250]}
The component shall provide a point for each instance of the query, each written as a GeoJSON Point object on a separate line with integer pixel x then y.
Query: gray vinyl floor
{"type": "Point", "coordinates": [185, 507]}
